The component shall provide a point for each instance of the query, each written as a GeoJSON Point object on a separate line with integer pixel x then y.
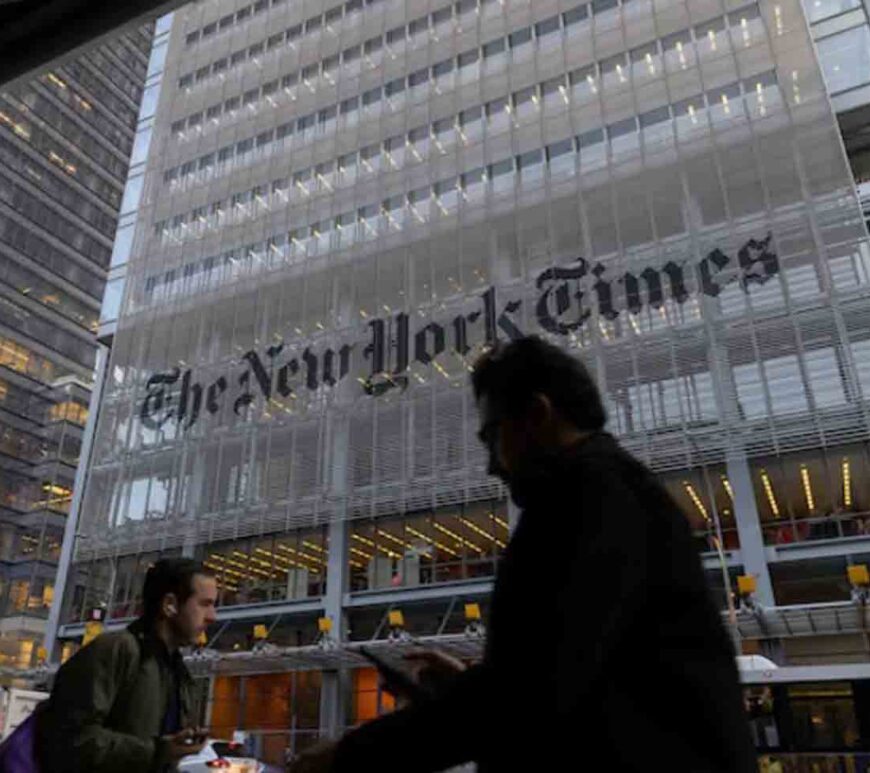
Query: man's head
{"type": "Point", "coordinates": [181, 594]}
{"type": "Point", "coordinates": [533, 399]}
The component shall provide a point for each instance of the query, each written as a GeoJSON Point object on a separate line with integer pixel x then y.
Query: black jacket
{"type": "Point", "coordinates": [604, 650]}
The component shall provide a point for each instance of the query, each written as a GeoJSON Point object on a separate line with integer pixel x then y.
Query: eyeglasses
{"type": "Point", "coordinates": [489, 433]}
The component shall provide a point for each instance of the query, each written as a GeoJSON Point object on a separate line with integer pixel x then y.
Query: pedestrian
{"type": "Point", "coordinates": [603, 639]}
{"type": "Point", "coordinates": [125, 702]}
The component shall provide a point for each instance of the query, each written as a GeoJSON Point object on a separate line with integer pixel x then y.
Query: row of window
{"type": "Point", "coordinates": [93, 115]}
{"type": "Point", "coordinates": [20, 359]}
{"type": "Point", "coordinates": [24, 494]}
{"type": "Point", "coordinates": [75, 72]}
{"type": "Point", "coordinates": [48, 333]}
{"type": "Point", "coordinates": [46, 253]}
{"type": "Point", "coordinates": [69, 410]}
{"type": "Point", "coordinates": [416, 27]}
{"type": "Point", "coordinates": [109, 68]}
{"type": "Point", "coordinates": [582, 83]}
{"type": "Point", "coordinates": [78, 145]}
{"type": "Point", "coordinates": [394, 152]}
{"type": "Point", "coordinates": [815, 495]}
{"type": "Point", "coordinates": [350, 60]}
{"type": "Point", "coordinates": [28, 206]}
{"type": "Point", "coordinates": [210, 30]}
{"type": "Point", "coordinates": [56, 186]}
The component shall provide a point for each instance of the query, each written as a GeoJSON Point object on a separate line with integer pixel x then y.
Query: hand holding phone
{"type": "Point", "coordinates": [396, 681]}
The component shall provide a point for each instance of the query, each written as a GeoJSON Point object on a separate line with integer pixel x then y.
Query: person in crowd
{"type": "Point", "coordinates": [125, 702]}
{"type": "Point", "coordinates": [603, 640]}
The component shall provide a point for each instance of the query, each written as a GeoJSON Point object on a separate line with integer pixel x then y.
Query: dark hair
{"type": "Point", "coordinates": [510, 374]}
{"type": "Point", "coordinates": [170, 575]}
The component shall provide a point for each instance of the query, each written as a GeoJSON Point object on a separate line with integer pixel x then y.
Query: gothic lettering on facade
{"type": "Point", "coordinates": [567, 297]}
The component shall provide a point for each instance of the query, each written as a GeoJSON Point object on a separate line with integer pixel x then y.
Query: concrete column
{"type": "Point", "coordinates": [197, 482]}
{"type": "Point", "coordinates": [752, 550]}
{"type": "Point", "coordinates": [64, 565]}
{"type": "Point", "coordinates": [335, 687]}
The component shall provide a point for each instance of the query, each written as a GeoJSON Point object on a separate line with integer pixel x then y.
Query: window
{"type": "Point", "coordinates": [600, 6]}
{"type": "Point", "coordinates": [821, 9]}
{"type": "Point", "coordinates": [419, 77]}
{"type": "Point", "coordinates": [441, 16]}
{"type": "Point", "coordinates": [496, 108]}
{"type": "Point", "coordinates": [372, 45]}
{"type": "Point", "coordinates": [371, 96]}
{"type": "Point", "coordinates": [394, 87]}
{"type": "Point", "coordinates": [559, 149]}
{"type": "Point", "coordinates": [467, 58]}
{"type": "Point", "coordinates": [547, 27]}
{"type": "Point", "coordinates": [653, 117]}
{"type": "Point", "coordinates": [418, 26]}
{"type": "Point", "coordinates": [442, 68]}
{"type": "Point", "coordinates": [590, 138]}
{"type": "Point", "coordinates": [845, 58]}
{"type": "Point", "coordinates": [351, 54]}
{"type": "Point", "coordinates": [575, 15]}
{"type": "Point", "coordinates": [494, 48]}
{"type": "Point", "coordinates": [520, 37]}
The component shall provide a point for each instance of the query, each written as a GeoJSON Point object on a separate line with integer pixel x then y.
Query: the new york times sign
{"type": "Point", "coordinates": [564, 305]}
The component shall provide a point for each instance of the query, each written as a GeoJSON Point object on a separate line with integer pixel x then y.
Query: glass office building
{"type": "Point", "coordinates": [65, 141]}
{"type": "Point", "coordinates": [343, 204]}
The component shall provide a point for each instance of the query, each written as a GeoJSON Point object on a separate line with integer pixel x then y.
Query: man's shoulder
{"type": "Point", "coordinates": [603, 462]}
{"type": "Point", "coordinates": [107, 648]}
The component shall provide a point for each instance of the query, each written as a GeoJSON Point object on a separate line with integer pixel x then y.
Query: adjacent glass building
{"type": "Point", "coordinates": [65, 142]}
{"type": "Point", "coordinates": [343, 204]}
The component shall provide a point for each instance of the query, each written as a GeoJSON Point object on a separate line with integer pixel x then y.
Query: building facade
{"type": "Point", "coordinates": [65, 142]}
{"type": "Point", "coordinates": [342, 205]}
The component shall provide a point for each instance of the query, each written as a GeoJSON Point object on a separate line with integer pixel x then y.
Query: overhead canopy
{"type": "Point", "coordinates": [36, 33]}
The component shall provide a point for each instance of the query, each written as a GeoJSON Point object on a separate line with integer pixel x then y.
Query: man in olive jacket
{"type": "Point", "coordinates": [125, 702]}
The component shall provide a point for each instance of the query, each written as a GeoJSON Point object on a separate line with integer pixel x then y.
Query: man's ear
{"type": "Point", "coordinates": [169, 607]}
{"type": "Point", "coordinates": [541, 411]}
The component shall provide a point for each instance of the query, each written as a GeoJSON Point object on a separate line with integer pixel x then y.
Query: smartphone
{"type": "Point", "coordinates": [200, 735]}
{"type": "Point", "coordinates": [396, 677]}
